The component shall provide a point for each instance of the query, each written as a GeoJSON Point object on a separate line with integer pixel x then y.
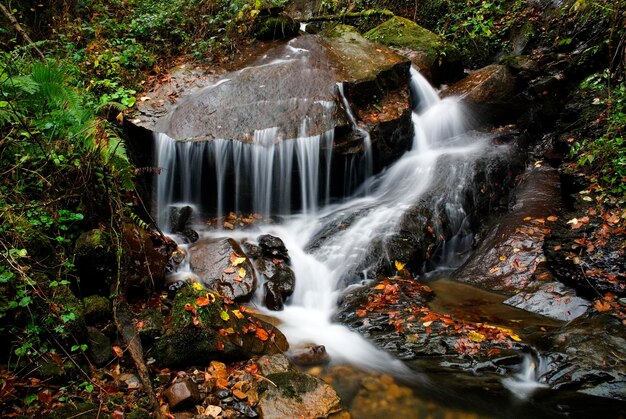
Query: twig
{"type": "Point", "coordinates": [21, 31]}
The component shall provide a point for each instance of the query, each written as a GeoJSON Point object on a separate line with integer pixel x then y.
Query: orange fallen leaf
{"type": "Point", "coordinates": [601, 305]}
{"type": "Point", "coordinates": [118, 351]}
{"type": "Point", "coordinates": [229, 271]}
{"type": "Point", "coordinates": [262, 334]}
{"type": "Point", "coordinates": [361, 313]}
{"type": "Point", "coordinates": [203, 301]}
{"type": "Point", "coordinates": [552, 218]}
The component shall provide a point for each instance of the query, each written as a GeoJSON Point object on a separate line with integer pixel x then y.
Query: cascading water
{"type": "Point", "coordinates": [441, 157]}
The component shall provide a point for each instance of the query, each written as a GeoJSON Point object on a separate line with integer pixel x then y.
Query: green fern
{"type": "Point", "coordinates": [139, 222]}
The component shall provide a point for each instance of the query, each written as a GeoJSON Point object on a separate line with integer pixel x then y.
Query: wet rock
{"type": "Point", "coordinates": [145, 252]}
{"type": "Point", "coordinates": [489, 91]}
{"type": "Point", "coordinates": [245, 410]}
{"type": "Point", "coordinates": [510, 256]}
{"type": "Point", "coordinates": [211, 260]}
{"type": "Point", "coordinates": [434, 57]}
{"type": "Point", "coordinates": [271, 27]}
{"type": "Point", "coordinates": [553, 300]}
{"type": "Point", "coordinates": [273, 297]}
{"type": "Point", "coordinates": [273, 246]}
{"type": "Point", "coordinates": [521, 65]}
{"type": "Point", "coordinates": [179, 218]}
{"type": "Point", "coordinates": [204, 328]}
{"type": "Point", "coordinates": [309, 355]}
{"type": "Point", "coordinates": [98, 347]}
{"type": "Point", "coordinates": [182, 394]}
{"type": "Point", "coordinates": [586, 357]}
{"type": "Point", "coordinates": [297, 392]}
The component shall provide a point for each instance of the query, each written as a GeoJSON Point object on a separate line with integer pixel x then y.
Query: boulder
{"type": "Point", "coordinates": [204, 327]}
{"type": "Point", "coordinates": [222, 266]}
{"type": "Point", "coordinates": [437, 60]}
{"type": "Point", "coordinates": [297, 392]}
{"type": "Point", "coordinates": [490, 93]}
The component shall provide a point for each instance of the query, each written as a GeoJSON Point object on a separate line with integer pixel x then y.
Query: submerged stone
{"type": "Point", "coordinates": [297, 392]}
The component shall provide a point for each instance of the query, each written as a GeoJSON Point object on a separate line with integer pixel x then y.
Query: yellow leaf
{"type": "Point", "coordinates": [238, 261]}
{"type": "Point", "coordinates": [494, 270]}
{"type": "Point", "coordinates": [475, 336]}
{"type": "Point", "coordinates": [502, 258]}
{"type": "Point", "coordinates": [516, 250]}
{"type": "Point", "coordinates": [399, 265]}
{"type": "Point", "coordinates": [224, 315]}
{"type": "Point", "coordinates": [528, 218]}
{"type": "Point", "coordinates": [552, 218]}
{"type": "Point", "coordinates": [380, 287]}
{"type": "Point", "coordinates": [241, 273]}
{"type": "Point", "coordinates": [238, 314]}
{"type": "Point", "coordinates": [197, 286]}
{"type": "Point", "coordinates": [515, 337]}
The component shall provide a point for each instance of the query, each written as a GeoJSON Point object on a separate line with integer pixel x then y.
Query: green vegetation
{"type": "Point", "coordinates": [604, 157]}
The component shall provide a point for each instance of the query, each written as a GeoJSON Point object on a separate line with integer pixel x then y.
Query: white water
{"type": "Point", "coordinates": [528, 379]}
{"type": "Point", "coordinates": [439, 134]}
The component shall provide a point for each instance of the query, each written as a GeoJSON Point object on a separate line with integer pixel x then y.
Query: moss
{"type": "Point", "coordinates": [72, 313]}
{"type": "Point", "coordinates": [293, 384]}
{"type": "Point", "coordinates": [97, 309]}
{"type": "Point", "coordinates": [401, 32]}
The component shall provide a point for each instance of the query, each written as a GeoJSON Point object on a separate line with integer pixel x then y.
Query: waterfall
{"type": "Point", "coordinates": [259, 176]}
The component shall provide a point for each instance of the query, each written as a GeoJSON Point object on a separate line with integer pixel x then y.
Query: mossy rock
{"type": "Point", "coordinates": [401, 32]}
{"type": "Point", "coordinates": [97, 309]}
{"type": "Point", "coordinates": [438, 59]}
{"type": "Point", "coordinates": [153, 320]}
{"type": "Point", "coordinates": [203, 328]}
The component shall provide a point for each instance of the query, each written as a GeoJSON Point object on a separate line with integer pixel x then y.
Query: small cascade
{"type": "Point", "coordinates": [261, 177]}
{"type": "Point", "coordinates": [528, 380]}
{"type": "Point", "coordinates": [355, 172]}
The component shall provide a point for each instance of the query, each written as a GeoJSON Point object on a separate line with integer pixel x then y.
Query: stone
{"type": "Point", "coordinates": [273, 246]}
{"type": "Point", "coordinates": [273, 297]}
{"type": "Point", "coordinates": [297, 392]}
{"type": "Point", "coordinates": [210, 260]}
{"type": "Point", "coordinates": [198, 335]}
{"type": "Point", "coordinates": [271, 364]}
{"type": "Point", "coordinates": [309, 355]}
{"type": "Point", "coordinates": [98, 347]}
{"type": "Point", "coordinates": [182, 394]}
{"type": "Point", "coordinates": [436, 59]}
{"type": "Point", "coordinates": [490, 91]}
{"type": "Point", "coordinates": [145, 252]}
{"type": "Point", "coordinates": [97, 309]}
{"type": "Point", "coordinates": [553, 300]}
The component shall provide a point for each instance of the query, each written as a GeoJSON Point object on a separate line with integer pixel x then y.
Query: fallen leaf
{"type": "Point", "coordinates": [219, 345]}
{"type": "Point", "coordinates": [229, 271]}
{"type": "Point", "coordinates": [261, 334]}
{"type": "Point", "coordinates": [361, 313]}
{"type": "Point", "coordinates": [494, 269]}
{"type": "Point", "coordinates": [601, 305]}
{"type": "Point", "coordinates": [203, 301]}
{"type": "Point", "coordinates": [399, 265]}
{"type": "Point", "coordinates": [241, 273]}
{"type": "Point", "coordinates": [224, 316]}
{"type": "Point", "coordinates": [475, 336]}
{"type": "Point", "coordinates": [118, 351]}
{"type": "Point", "coordinates": [238, 261]}
{"type": "Point", "coordinates": [238, 314]}
{"type": "Point", "coordinates": [552, 218]}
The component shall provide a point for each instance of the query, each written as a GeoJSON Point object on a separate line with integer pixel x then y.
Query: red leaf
{"type": "Point", "coordinates": [361, 313]}
{"type": "Point", "coordinates": [219, 345]}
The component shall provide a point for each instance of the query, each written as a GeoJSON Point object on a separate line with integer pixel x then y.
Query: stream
{"type": "Point", "coordinates": [289, 181]}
